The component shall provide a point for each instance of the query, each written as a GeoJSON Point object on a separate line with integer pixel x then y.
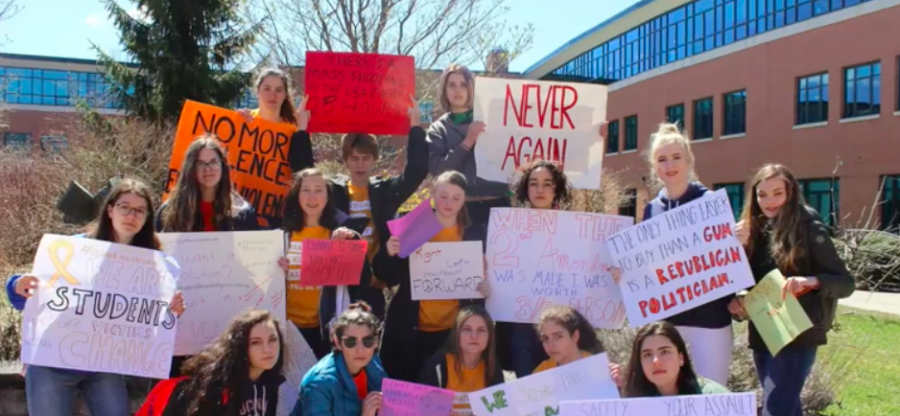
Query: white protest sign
{"type": "Point", "coordinates": [539, 394]}
{"type": "Point", "coordinates": [100, 307]}
{"type": "Point", "coordinates": [681, 259]}
{"type": "Point", "coordinates": [446, 271]}
{"type": "Point", "coordinates": [540, 258]}
{"type": "Point", "coordinates": [461, 405]}
{"type": "Point", "coordinates": [733, 404]}
{"type": "Point", "coordinates": [528, 120]}
{"type": "Point", "coordinates": [298, 359]}
{"type": "Point", "coordinates": [222, 275]}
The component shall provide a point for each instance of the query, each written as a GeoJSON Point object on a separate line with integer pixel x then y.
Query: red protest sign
{"type": "Point", "coordinates": [332, 262]}
{"type": "Point", "coordinates": [363, 93]}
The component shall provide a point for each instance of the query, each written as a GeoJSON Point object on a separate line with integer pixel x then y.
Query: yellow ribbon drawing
{"type": "Point", "coordinates": [60, 266]}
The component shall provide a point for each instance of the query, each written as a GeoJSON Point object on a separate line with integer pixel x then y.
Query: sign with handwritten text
{"type": "Point", "coordinates": [539, 258]}
{"type": "Point", "coordinates": [101, 307]}
{"type": "Point", "coordinates": [778, 320]}
{"type": "Point", "coordinates": [447, 271]}
{"type": "Point", "coordinates": [732, 404]}
{"type": "Point", "coordinates": [529, 120]}
{"type": "Point", "coordinates": [359, 92]}
{"type": "Point", "coordinates": [461, 406]}
{"type": "Point", "coordinates": [681, 259]}
{"type": "Point", "coordinates": [539, 394]}
{"type": "Point", "coordinates": [297, 361]}
{"type": "Point", "coordinates": [222, 275]}
{"type": "Point", "coordinates": [332, 262]}
{"type": "Point", "coordinates": [409, 399]}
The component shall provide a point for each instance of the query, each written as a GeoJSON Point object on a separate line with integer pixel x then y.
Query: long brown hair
{"type": "Point", "coordinates": [488, 356]}
{"type": "Point", "coordinates": [287, 106]}
{"type": "Point", "coordinates": [102, 228]}
{"type": "Point", "coordinates": [445, 78]}
{"type": "Point", "coordinates": [453, 177]}
{"type": "Point", "coordinates": [182, 210]}
{"type": "Point", "coordinates": [788, 237]}
{"type": "Point", "coordinates": [294, 217]}
{"type": "Point", "coordinates": [223, 366]}
{"type": "Point", "coordinates": [637, 384]}
{"type": "Point", "coordinates": [572, 320]}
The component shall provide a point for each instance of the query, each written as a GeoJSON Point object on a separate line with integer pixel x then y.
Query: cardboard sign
{"type": "Point", "coordinates": [332, 262]}
{"type": "Point", "coordinates": [257, 154]}
{"type": "Point", "coordinates": [778, 320]}
{"type": "Point", "coordinates": [461, 406]}
{"type": "Point", "coordinates": [540, 394]}
{"type": "Point", "coordinates": [410, 399]}
{"type": "Point", "coordinates": [100, 307]}
{"type": "Point", "coordinates": [447, 271]}
{"type": "Point", "coordinates": [681, 259]}
{"type": "Point", "coordinates": [734, 404]}
{"type": "Point", "coordinates": [539, 258]}
{"type": "Point", "coordinates": [298, 359]}
{"type": "Point", "coordinates": [528, 120]}
{"type": "Point", "coordinates": [415, 228]}
{"type": "Point", "coordinates": [356, 92]}
{"type": "Point", "coordinates": [222, 275]}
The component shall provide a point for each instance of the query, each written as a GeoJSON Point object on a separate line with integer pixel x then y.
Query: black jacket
{"type": "Point", "coordinates": [434, 373]}
{"type": "Point", "coordinates": [259, 398]}
{"type": "Point", "coordinates": [821, 261]}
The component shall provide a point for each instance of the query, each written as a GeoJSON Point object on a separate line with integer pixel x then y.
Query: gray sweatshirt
{"type": "Point", "coordinates": [445, 152]}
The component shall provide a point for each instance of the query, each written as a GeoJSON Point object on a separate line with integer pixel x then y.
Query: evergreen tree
{"type": "Point", "coordinates": [184, 49]}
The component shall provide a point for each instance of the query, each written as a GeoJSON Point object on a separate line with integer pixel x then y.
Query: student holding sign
{"type": "Point", "coordinates": [706, 328]}
{"type": "Point", "coordinates": [415, 330]}
{"type": "Point", "coordinates": [126, 218]}
{"type": "Point", "coordinates": [779, 231]}
{"type": "Point", "coordinates": [346, 382]}
{"type": "Point", "coordinates": [660, 365]}
{"type": "Point", "coordinates": [274, 92]}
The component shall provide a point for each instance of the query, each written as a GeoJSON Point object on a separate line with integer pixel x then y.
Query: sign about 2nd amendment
{"type": "Point", "coordinates": [733, 404]}
{"type": "Point", "coordinates": [100, 307]}
{"type": "Point", "coordinates": [528, 120]}
{"type": "Point", "coordinates": [680, 259]}
{"type": "Point", "coordinates": [538, 258]}
{"type": "Point", "coordinates": [446, 271]}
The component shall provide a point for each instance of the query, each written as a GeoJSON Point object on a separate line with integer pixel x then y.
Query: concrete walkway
{"type": "Point", "coordinates": [874, 301]}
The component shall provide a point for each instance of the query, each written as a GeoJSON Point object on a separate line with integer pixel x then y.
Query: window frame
{"type": "Point", "coordinates": [696, 121]}
{"type": "Point", "coordinates": [631, 122]}
{"type": "Point", "coordinates": [741, 196]}
{"type": "Point", "coordinates": [823, 103]}
{"type": "Point", "coordinates": [669, 109]}
{"type": "Point", "coordinates": [834, 193]}
{"type": "Point", "coordinates": [729, 112]}
{"type": "Point", "coordinates": [852, 112]}
{"type": "Point", "coordinates": [890, 223]}
{"type": "Point", "coordinates": [612, 130]}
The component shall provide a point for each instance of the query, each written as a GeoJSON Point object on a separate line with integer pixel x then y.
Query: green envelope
{"type": "Point", "coordinates": [779, 321]}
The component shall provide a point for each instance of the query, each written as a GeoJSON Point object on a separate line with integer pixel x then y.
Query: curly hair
{"type": "Point", "coordinates": [224, 365]}
{"type": "Point", "coordinates": [572, 320]}
{"type": "Point", "coordinates": [562, 189]}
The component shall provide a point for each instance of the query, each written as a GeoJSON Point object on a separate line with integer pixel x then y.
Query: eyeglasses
{"type": "Point", "coordinates": [125, 210]}
{"type": "Point", "coordinates": [211, 165]}
{"type": "Point", "coordinates": [350, 342]}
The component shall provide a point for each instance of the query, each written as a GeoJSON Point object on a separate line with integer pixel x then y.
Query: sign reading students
{"type": "Point", "coordinates": [529, 120]}
{"type": "Point", "coordinates": [257, 154]}
{"type": "Point", "coordinates": [679, 260]}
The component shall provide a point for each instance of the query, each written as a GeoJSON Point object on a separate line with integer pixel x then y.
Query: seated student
{"type": "Point", "coordinates": [661, 366]}
{"type": "Point", "coordinates": [126, 218]}
{"type": "Point", "coordinates": [237, 374]}
{"type": "Point", "coordinates": [347, 382]}
{"type": "Point", "coordinates": [567, 337]}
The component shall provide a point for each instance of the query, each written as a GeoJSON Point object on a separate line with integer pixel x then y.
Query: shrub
{"type": "Point", "coordinates": [872, 257]}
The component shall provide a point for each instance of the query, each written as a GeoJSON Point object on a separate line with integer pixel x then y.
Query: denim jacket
{"type": "Point", "coordinates": [328, 388]}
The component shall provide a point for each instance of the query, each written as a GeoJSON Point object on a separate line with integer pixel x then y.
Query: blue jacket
{"type": "Point", "coordinates": [17, 301]}
{"type": "Point", "coordinates": [328, 389]}
{"type": "Point", "coordinates": [712, 315]}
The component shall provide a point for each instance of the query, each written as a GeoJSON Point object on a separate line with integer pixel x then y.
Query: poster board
{"type": "Point", "coordinates": [779, 320]}
{"type": "Point", "coordinates": [402, 398]}
{"type": "Point", "coordinates": [447, 271]}
{"type": "Point", "coordinates": [732, 404]}
{"type": "Point", "coordinates": [298, 359]}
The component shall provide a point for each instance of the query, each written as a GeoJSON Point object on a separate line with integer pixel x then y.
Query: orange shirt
{"type": "Point", "coordinates": [303, 301]}
{"type": "Point", "coordinates": [550, 364]}
{"type": "Point", "coordinates": [468, 381]}
{"type": "Point", "coordinates": [439, 315]}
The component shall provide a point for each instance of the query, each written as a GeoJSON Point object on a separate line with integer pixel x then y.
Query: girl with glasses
{"type": "Point", "coordinates": [347, 382]}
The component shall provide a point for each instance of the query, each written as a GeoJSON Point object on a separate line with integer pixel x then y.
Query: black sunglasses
{"type": "Point", "coordinates": [350, 342]}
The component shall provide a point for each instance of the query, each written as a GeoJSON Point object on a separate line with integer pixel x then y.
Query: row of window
{"type": "Point", "coordinates": [688, 30]}
{"type": "Point", "coordinates": [55, 87]}
{"type": "Point", "coordinates": [24, 141]}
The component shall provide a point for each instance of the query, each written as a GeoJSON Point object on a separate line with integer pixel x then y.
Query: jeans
{"type": "Point", "coordinates": [782, 378]}
{"type": "Point", "coordinates": [51, 392]}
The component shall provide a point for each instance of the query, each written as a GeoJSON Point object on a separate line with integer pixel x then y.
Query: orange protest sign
{"type": "Point", "coordinates": [257, 154]}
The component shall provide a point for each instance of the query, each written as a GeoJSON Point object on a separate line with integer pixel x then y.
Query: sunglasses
{"type": "Point", "coordinates": [350, 342]}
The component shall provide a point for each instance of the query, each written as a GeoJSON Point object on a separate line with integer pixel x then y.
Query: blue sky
{"type": "Point", "coordinates": [66, 28]}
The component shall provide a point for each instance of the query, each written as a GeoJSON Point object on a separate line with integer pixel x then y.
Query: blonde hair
{"type": "Point", "coordinates": [666, 134]}
{"type": "Point", "coordinates": [445, 78]}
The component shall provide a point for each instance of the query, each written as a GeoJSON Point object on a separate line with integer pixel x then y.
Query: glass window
{"type": "Point", "coordinates": [54, 144]}
{"type": "Point", "coordinates": [612, 143]}
{"type": "Point", "coordinates": [631, 133]}
{"type": "Point", "coordinates": [675, 115]}
{"type": "Point", "coordinates": [19, 140]}
{"type": "Point", "coordinates": [812, 99]}
{"type": "Point", "coordinates": [703, 119]}
{"type": "Point", "coordinates": [890, 204]}
{"type": "Point", "coordinates": [56, 88]}
{"type": "Point", "coordinates": [862, 92]}
{"type": "Point", "coordinates": [735, 113]}
{"type": "Point", "coordinates": [628, 207]}
{"type": "Point", "coordinates": [735, 197]}
{"type": "Point", "coordinates": [824, 195]}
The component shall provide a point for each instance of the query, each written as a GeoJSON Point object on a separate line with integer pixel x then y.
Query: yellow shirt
{"type": "Point", "coordinates": [303, 301]}
{"type": "Point", "coordinates": [550, 364]}
{"type": "Point", "coordinates": [471, 380]}
{"type": "Point", "coordinates": [439, 315]}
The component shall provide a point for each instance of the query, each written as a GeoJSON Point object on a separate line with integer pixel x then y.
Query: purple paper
{"type": "Point", "coordinates": [409, 399]}
{"type": "Point", "coordinates": [415, 228]}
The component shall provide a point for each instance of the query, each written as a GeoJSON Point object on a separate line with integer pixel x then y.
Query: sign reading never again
{"type": "Point", "coordinates": [257, 154]}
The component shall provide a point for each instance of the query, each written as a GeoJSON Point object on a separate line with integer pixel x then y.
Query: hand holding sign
{"type": "Point", "coordinates": [302, 114]}
{"type": "Point", "coordinates": [26, 285]}
{"type": "Point", "coordinates": [798, 286]}
{"type": "Point", "coordinates": [372, 404]}
{"type": "Point", "coordinates": [415, 113]}
{"type": "Point", "coordinates": [475, 130]}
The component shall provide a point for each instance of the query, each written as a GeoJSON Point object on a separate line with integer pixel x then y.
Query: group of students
{"type": "Point", "coordinates": [453, 344]}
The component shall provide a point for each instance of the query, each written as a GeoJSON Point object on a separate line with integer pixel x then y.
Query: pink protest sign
{"type": "Point", "coordinates": [332, 262]}
{"type": "Point", "coordinates": [415, 228]}
{"type": "Point", "coordinates": [410, 399]}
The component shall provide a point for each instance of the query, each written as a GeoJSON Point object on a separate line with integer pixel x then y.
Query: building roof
{"type": "Point", "coordinates": [57, 59]}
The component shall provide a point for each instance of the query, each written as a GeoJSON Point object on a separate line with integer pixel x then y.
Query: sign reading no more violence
{"type": "Point", "coordinates": [680, 259]}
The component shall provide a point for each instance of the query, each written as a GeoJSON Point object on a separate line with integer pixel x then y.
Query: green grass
{"type": "Point", "coordinates": [862, 357]}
